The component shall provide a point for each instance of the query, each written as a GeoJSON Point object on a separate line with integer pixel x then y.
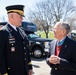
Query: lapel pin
{"type": "Point", "coordinates": [65, 46]}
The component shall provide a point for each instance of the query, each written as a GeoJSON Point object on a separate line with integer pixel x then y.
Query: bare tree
{"type": "Point", "coordinates": [48, 12]}
{"type": "Point", "coordinates": [2, 18]}
{"type": "Point", "coordinates": [72, 21]}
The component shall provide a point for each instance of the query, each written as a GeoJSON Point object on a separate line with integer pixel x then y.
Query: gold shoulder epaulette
{"type": "Point", "coordinates": [5, 74]}
{"type": "Point", "coordinates": [29, 63]}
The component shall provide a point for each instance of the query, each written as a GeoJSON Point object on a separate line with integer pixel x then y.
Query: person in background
{"type": "Point", "coordinates": [62, 54]}
{"type": "Point", "coordinates": [72, 35]}
{"type": "Point", "coordinates": [14, 52]}
{"type": "Point", "coordinates": [69, 35]}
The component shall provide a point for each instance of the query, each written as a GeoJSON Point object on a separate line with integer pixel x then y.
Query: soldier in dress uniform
{"type": "Point", "coordinates": [14, 52]}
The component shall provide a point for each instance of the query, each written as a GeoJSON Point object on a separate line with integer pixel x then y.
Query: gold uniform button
{"type": "Point", "coordinates": [24, 47]}
{"type": "Point", "coordinates": [12, 44]}
{"type": "Point", "coordinates": [23, 42]}
{"type": "Point", "coordinates": [55, 68]}
{"type": "Point", "coordinates": [25, 58]}
{"type": "Point", "coordinates": [8, 68]}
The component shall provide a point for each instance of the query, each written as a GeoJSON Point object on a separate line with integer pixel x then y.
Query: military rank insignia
{"type": "Point", "coordinates": [12, 49]}
{"type": "Point", "coordinates": [11, 40]}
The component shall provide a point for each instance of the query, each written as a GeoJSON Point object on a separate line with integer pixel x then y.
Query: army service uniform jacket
{"type": "Point", "coordinates": [14, 52]}
{"type": "Point", "coordinates": [67, 54]}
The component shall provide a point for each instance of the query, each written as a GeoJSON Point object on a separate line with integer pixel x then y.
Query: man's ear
{"type": "Point", "coordinates": [64, 31]}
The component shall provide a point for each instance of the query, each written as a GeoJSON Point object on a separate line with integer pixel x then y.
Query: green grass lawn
{"type": "Point", "coordinates": [43, 35]}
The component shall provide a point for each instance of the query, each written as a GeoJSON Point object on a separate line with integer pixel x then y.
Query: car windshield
{"type": "Point", "coordinates": [33, 35]}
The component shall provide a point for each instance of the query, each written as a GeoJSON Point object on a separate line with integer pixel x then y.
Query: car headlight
{"type": "Point", "coordinates": [37, 42]}
{"type": "Point", "coordinates": [46, 44]}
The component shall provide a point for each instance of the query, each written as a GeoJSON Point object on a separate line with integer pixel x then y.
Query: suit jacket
{"type": "Point", "coordinates": [14, 52]}
{"type": "Point", "coordinates": [67, 54]}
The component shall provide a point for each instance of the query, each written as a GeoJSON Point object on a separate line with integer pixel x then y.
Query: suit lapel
{"type": "Point", "coordinates": [53, 46]}
{"type": "Point", "coordinates": [64, 47]}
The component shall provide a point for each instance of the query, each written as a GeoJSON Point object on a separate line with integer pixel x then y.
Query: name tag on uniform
{"type": "Point", "coordinates": [11, 40]}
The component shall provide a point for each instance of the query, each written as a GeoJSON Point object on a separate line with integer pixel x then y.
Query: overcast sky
{"type": "Point", "coordinates": [3, 3]}
{"type": "Point", "coordinates": [28, 4]}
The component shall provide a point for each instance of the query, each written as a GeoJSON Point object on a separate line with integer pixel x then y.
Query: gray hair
{"type": "Point", "coordinates": [66, 27]}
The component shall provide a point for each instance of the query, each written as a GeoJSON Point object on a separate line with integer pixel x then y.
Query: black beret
{"type": "Point", "coordinates": [16, 9]}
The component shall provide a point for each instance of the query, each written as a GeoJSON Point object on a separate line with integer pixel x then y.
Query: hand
{"type": "Point", "coordinates": [54, 59]}
{"type": "Point", "coordinates": [30, 72]}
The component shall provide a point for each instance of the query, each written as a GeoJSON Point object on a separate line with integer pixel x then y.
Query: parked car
{"type": "Point", "coordinates": [73, 34]}
{"type": "Point", "coordinates": [38, 46]}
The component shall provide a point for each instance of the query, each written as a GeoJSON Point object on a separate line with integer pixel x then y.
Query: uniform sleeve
{"type": "Point", "coordinates": [30, 65]}
{"type": "Point", "coordinates": [2, 56]}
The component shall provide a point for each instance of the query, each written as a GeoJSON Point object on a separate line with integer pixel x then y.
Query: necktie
{"type": "Point", "coordinates": [20, 32]}
{"type": "Point", "coordinates": [58, 48]}
{"type": "Point", "coordinates": [17, 29]}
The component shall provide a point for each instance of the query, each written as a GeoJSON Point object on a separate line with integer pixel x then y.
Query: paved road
{"type": "Point", "coordinates": [40, 67]}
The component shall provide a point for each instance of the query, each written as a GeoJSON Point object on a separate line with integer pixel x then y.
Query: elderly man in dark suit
{"type": "Point", "coordinates": [62, 54]}
{"type": "Point", "coordinates": [14, 52]}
